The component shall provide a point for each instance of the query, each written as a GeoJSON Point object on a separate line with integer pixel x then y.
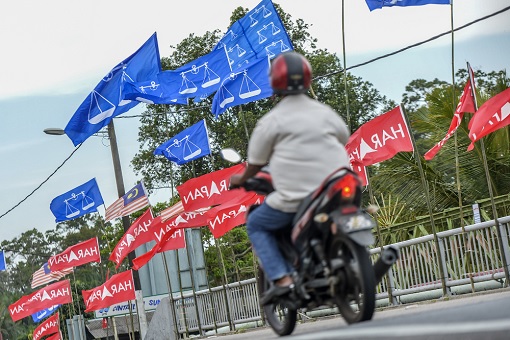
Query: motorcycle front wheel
{"type": "Point", "coordinates": [355, 293]}
{"type": "Point", "coordinates": [281, 318]}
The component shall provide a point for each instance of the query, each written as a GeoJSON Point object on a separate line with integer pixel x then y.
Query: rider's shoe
{"type": "Point", "coordinates": [273, 292]}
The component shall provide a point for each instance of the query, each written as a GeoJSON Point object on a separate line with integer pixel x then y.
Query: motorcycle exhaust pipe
{"type": "Point", "coordinates": [389, 256]}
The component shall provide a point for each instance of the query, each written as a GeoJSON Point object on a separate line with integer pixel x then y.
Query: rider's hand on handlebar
{"type": "Point", "coordinates": [235, 182]}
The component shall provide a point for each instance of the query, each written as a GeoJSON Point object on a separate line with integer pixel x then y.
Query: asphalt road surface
{"type": "Point", "coordinates": [479, 316]}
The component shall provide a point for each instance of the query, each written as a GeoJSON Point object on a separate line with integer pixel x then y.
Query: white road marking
{"type": "Point", "coordinates": [414, 330]}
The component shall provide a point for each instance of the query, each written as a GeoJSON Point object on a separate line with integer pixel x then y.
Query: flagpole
{"type": "Point", "coordinates": [142, 318]}
{"type": "Point", "coordinates": [379, 236]}
{"type": "Point", "coordinates": [192, 281]}
{"type": "Point", "coordinates": [220, 258]}
{"type": "Point", "coordinates": [491, 194]}
{"type": "Point", "coordinates": [180, 289]}
{"type": "Point", "coordinates": [457, 163]}
{"type": "Point", "coordinates": [427, 197]}
{"type": "Point", "coordinates": [170, 295]}
{"type": "Point", "coordinates": [210, 293]}
{"type": "Point", "coordinates": [225, 283]}
{"type": "Point", "coordinates": [79, 308]}
{"type": "Point", "coordinates": [345, 70]}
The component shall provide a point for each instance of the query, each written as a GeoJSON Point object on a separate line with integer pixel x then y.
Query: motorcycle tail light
{"type": "Point", "coordinates": [347, 186]}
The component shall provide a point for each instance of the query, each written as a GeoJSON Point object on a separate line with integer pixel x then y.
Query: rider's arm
{"type": "Point", "coordinates": [250, 171]}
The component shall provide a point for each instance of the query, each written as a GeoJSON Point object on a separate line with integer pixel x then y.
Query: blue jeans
{"type": "Point", "coordinates": [261, 225]}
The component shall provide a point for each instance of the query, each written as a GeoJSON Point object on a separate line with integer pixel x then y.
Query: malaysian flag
{"type": "Point", "coordinates": [175, 209]}
{"type": "Point", "coordinates": [134, 200]}
{"type": "Point", "coordinates": [44, 275]}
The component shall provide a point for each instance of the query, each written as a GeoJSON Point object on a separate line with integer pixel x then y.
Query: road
{"type": "Point", "coordinates": [480, 316]}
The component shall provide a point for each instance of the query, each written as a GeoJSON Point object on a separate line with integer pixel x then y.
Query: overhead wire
{"type": "Point", "coordinates": [316, 78]}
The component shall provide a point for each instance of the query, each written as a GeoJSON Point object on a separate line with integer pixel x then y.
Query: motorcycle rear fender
{"type": "Point", "coordinates": [357, 226]}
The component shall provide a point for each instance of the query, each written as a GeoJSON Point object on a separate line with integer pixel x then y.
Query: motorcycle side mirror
{"type": "Point", "coordinates": [230, 155]}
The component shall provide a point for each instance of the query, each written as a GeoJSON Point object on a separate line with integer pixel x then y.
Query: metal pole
{"type": "Point", "coordinates": [191, 275]}
{"type": "Point", "coordinates": [170, 296]}
{"type": "Point", "coordinates": [125, 221]}
{"type": "Point", "coordinates": [183, 304]}
{"type": "Point", "coordinates": [427, 197]}
{"type": "Point", "coordinates": [345, 71]}
{"type": "Point", "coordinates": [491, 194]}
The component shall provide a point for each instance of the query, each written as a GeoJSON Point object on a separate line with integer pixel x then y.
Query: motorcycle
{"type": "Point", "coordinates": [328, 247]}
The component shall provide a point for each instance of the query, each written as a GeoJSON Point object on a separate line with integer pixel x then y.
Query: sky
{"type": "Point", "coordinates": [55, 52]}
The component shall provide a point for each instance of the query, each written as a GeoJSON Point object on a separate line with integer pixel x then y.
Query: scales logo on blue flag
{"type": "Point", "coordinates": [244, 86]}
{"type": "Point", "coordinates": [260, 34]}
{"type": "Point", "coordinates": [107, 99]}
{"type": "Point", "coordinates": [80, 201]}
{"type": "Point", "coordinates": [189, 144]}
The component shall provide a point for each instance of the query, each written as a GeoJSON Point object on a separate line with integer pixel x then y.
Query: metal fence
{"type": "Point", "coordinates": [464, 257]}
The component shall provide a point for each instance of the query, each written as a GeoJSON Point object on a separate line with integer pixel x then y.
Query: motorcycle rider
{"type": "Point", "coordinates": [303, 140]}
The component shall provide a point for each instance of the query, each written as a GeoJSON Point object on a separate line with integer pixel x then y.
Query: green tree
{"type": "Point", "coordinates": [432, 106]}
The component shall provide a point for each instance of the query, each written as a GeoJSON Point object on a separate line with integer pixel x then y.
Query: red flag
{"type": "Point", "coordinates": [119, 288]}
{"type": "Point", "coordinates": [105, 323]}
{"type": "Point", "coordinates": [56, 336]}
{"type": "Point", "coordinates": [163, 232]}
{"type": "Point", "coordinates": [210, 189]}
{"type": "Point", "coordinates": [74, 256]}
{"type": "Point", "coordinates": [57, 293]}
{"type": "Point", "coordinates": [177, 240]}
{"type": "Point", "coordinates": [49, 326]}
{"type": "Point", "coordinates": [380, 138]}
{"type": "Point", "coordinates": [361, 171]}
{"type": "Point", "coordinates": [466, 104]}
{"type": "Point", "coordinates": [138, 234]}
{"type": "Point", "coordinates": [491, 116]}
{"type": "Point", "coordinates": [226, 216]}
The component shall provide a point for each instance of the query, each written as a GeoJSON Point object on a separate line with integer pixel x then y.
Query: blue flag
{"type": "Point", "coordinates": [244, 86]}
{"type": "Point", "coordinates": [2, 261]}
{"type": "Point", "coordinates": [163, 89]}
{"type": "Point", "coordinates": [107, 99]}
{"type": "Point", "coordinates": [38, 316]}
{"type": "Point", "coordinates": [189, 144]}
{"type": "Point", "coordinates": [80, 201]}
{"type": "Point", "coordinates": [375, 4]}
{"type": "Point", "coordinates": [259, 34]}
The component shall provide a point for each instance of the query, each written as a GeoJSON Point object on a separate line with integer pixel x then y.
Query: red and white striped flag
{"type": "Point", "coordinates": [44, 275]}
{"type": "Point", "coordinates": [134, 200]}
{"type": "Point", "coordinates": [175, 209]}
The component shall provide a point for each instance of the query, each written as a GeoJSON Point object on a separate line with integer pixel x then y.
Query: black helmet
{"type": "Point", "coordinates": [290, 73]}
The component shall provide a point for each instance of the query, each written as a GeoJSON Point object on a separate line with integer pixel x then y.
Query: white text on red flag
{"type": "Point", "coordinates": [494, 114]}
{"type": "Point", "coordinates": [77, 255]}
{"type": "Point", "coordinates": [49, 326]}
{"type": "Point", "coordinates": [137, 234]}
{"type": "Point", "coordinates": [209, 190]}
{"type": "Point", "coordinates": [54, 294]}
{"type": "Point", "coordinates": [119, 288]}
{"type": "Point", "coordinates": [380, 139]}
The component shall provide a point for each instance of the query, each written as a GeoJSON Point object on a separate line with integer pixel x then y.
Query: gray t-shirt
{"type": "Point", "coordinates": [303, 141]}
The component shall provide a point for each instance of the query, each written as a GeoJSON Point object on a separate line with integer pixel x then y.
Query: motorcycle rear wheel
{"type": "Point", "coordinates": [281, 318]}
{"type": "Point", "coordinates": [355, 294]}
